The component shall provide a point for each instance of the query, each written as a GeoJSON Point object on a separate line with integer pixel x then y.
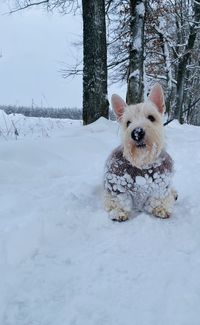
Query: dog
{"type": "Point", "coordinates": [138, 173]}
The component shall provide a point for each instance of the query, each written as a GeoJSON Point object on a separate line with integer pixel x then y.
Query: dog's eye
{"type": "Point", "coordinates": [151, 118]}
{"type": "Point", "coordinates": [127, 123]}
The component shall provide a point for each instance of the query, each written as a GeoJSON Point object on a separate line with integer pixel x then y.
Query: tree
{"type": "Point", "coordinates": [126, 45]}
{"type": "Point", "coordinates": [158, 61]}
{"type": "Point", "coordinates": [184, 59]}
{"type": "Point", "coordinates": [172, 53]}
{"type": "Point", "coordinates": [95, 102]}
{"type": "Point", "coordinates": [135, 87]}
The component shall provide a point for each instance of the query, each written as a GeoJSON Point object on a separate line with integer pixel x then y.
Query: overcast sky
{"type": "Point", "coordinates": [33, 44]}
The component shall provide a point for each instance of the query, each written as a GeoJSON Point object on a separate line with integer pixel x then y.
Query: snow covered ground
{"type": "Point", "coordinates": [62, 261]}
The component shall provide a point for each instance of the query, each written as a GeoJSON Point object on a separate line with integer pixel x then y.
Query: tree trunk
{"type": "Point", "coordinates": [182, 65]}
{"type": "Point", "coordinates": [168, 67]}
{"type": "Point", "coordinates": [95, 102]}
{"type": "Point", "coordinates": [136, 53]}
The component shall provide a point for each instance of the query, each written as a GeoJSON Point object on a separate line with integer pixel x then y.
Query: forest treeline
{"type": "Point", "coordinates": [47, 112]}
{"type": "Point", "coordinates": [61, 113]}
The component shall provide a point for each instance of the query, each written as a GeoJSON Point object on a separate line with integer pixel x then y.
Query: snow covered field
{"type": "Point", "coordinates": [62, 261]}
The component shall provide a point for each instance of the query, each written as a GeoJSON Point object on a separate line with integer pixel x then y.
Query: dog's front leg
{"type": "Point", "coordinates": [118, 206]}
{"type": "Point", "coordinates": [162, 207]}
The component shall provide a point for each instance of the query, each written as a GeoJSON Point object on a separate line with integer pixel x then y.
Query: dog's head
{"type": "Point", "coordinates": [142, 127]}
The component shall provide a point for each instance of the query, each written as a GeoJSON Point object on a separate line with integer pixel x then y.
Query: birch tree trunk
{"type": "Point", "coordinates": [95, 102]}
{"type": "Point", "coordinates": [136, 53]}
{"type": "Point", "coordinates": [168, 67]}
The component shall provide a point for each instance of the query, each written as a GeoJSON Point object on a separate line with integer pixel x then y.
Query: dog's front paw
{"type": "Point", "coordinates": [161, 212]}
{"type": "Point", "coordinates": [119, 216]}
{"type": "Point", "coordinates": [117, 209]}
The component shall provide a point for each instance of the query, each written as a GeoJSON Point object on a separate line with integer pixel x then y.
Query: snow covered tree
{"type": "Point", "coordinates": [158, 65]}
{"type": "Point", "coordinates": [135, 87]}
{"type": "Point", "coordinates": [118, 26]}
{"type": "Point", "coordinates": [171, 31]}
{"type": "Point", "coordinates": [183, 60]}
{"type": "Point", "coordinates": [126, 45]}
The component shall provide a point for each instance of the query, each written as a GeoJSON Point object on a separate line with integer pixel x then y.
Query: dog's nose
{"type": "Point", "coordinates": [138, 134]}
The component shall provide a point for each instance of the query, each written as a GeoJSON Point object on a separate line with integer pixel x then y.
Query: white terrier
{"type": "Point", "coordinates": [138, 173]}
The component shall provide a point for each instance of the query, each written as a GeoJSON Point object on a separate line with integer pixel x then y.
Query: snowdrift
{"type": "Point", "coordinates": [62, 261]}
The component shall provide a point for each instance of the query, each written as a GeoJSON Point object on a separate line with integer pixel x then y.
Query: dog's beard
{"type": "Point", "coordinates": [143, 153]}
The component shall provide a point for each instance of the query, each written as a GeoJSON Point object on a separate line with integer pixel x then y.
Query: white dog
{"type": "Point", "coordinates": [138, 173]}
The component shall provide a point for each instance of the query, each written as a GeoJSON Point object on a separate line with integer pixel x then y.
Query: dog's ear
{"type": "Point", "coordinates": [156, 95]}
{"type": "Point", "coordinates": [118, 105]}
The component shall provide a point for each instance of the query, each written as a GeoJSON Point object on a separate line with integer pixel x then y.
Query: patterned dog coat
{"type": "Point", "coordinates": [123, 179]}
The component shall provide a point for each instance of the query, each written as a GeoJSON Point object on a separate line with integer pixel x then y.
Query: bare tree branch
{"type": "Point", "coordinates": [29, 4]}
{"type": "Point", "coordinates": [72, 71]}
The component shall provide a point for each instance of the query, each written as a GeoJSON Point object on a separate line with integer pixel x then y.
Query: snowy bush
{"type": "Point", "coordinates": [18, 125]}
